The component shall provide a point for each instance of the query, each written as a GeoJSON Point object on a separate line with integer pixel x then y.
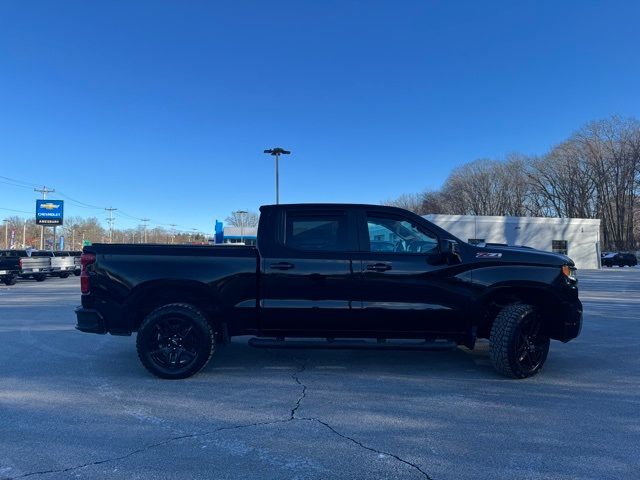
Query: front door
{"type": "Point", "coordinates": [407, 287]}
{"type": "Point", "coordinates": [308, 281]}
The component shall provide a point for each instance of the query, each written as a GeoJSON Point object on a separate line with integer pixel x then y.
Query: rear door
{"type": "Point", "coordinates": [407, 287]}
{"type": "Point", "coordinates": [308, 284]}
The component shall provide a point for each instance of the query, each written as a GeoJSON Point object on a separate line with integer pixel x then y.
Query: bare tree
{"type": "Point", "coordinates": [237, 219]}
{"type": "Point", "coordinates": [409, 201]}
{"type": "Point", "coordinates": [612, 149]}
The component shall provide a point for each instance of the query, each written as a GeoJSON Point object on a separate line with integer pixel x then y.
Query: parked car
{"type": "Point", "coordinates": [620, 259]}
{"type": "Point", "coordinates": [314, 274]}
{"type": "Point", "coordinates": [9, 266]}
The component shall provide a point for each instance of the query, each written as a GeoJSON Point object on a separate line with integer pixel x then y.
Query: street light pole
{"type": "Point", "coordinates": [276, 152]}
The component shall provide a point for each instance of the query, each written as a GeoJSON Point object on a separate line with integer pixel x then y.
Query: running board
{"type": "Point", "coordinates": [359, 344]}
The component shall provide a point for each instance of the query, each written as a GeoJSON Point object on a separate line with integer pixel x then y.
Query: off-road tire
{"type": "Point", "coordinates": [152, 332]}
{"type": "Point", "coordinates": [506, 338]}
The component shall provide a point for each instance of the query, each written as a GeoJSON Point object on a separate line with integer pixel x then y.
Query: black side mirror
{"type": "Point", "coordinates": [453, 251]}
{"type": "Point", "coordinates": [449, 253]}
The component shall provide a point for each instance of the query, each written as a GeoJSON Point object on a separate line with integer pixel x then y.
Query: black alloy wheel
{"type": "Point", "coordinates": [531, 346]}
{"type": "Point", "coordinates": [175, 341]}
{"type": "Point", "coordinates": [519, 343]}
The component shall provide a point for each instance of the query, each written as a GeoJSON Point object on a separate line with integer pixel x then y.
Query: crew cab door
{"type": "Point", "coordinates": [408, 287]}
{"type": "Point", "coordinates": [308, 284]}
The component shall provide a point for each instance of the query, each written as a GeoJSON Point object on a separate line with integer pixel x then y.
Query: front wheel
{"type": "Point", "coordinates": [40, 278]}
{"type": "Point", "coordinates": [175, 341]}
{"type": "Point", "coordinates": [519, 346]}
{"type": "Point", "coordinates": [9, 280]}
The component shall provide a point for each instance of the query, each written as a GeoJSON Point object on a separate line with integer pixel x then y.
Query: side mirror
{"type": "Point", "coordinates": [449, 253]}
{"type": "Point", "coordinates": [453, 247]}
{"type": "Point", "coordinates": [453, 251]}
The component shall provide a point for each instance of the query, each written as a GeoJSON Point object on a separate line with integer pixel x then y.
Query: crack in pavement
{"type": "Point", "coordinates": [295, 375]}
{"type": "Point", "coordinates": [145, 448]}
{"type": "Point", "coordinates": [362, 445]}
{"type": "Point", "coordinates": [292, 418]}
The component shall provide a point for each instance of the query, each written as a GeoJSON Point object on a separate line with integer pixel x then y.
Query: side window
{"type": "Point", "coordinates": [388, 234]}
{"type": "Point", "coordinates": [559, 246]}
{"type": "Point", "coordinates": [316, 232]}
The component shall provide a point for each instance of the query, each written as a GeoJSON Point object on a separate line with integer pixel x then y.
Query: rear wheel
{"type": "Point", "coordinates": [40, 278]}
{"type": "Point", "coordinates": [175, 341]}
{"type": "Point", "coordinates": [519, 346]}
{"type": "Point", "coordinates": [76, 273]}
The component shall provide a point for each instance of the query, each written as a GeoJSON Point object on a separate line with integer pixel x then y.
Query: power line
{"type": "Point", "coordinates": [13, 210]}
{"type": "Point", "coordinates": [79, 203]}
{"type": "Point", "coordinates": [44, 191]}
{"type": "Point", "coordinates": [26, 184]}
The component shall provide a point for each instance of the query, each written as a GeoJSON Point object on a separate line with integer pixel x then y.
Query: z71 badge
{"type": "Point", "coordinates": [488, 255]}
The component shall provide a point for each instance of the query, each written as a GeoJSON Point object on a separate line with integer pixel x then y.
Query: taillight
{"type": "Point", "coordinates": [86, 259]}
{"type": "Point", "coordinates": [20, 264]}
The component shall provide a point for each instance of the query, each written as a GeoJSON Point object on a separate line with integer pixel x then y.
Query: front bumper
{"type": "Point", "coordinates": [90, 321]}
{"type": "Point", "coordinates": [571, 315]}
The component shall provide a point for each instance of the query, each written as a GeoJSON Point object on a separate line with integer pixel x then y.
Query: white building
{"type": "Point", "coordinates": [579, 238]}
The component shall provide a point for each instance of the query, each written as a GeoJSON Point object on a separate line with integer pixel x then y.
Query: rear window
{"type": "Point", "coordinates": [316, 232]}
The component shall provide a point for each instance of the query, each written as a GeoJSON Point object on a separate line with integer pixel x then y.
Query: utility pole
{"type": "Point", "coordinates": [110, 220]}
{"type": "Point", "coordinates": [144, 226]}
{"type": "Point", "coordinates": [44, 190]}
{"type": "Point", "coordinates": [173, 231]}
{"type": "Point", "coordinates": [6, 233]}
{"type": "Point", "coordinates": [276, 152]}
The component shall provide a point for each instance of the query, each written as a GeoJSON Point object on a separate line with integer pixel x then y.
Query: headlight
{"type": "Point", "coordinates": [570, 272]}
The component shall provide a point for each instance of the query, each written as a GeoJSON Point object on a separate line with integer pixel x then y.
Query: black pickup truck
{"type": "Point", "coordinates": [9, 266]}
{"type": "Point", "coordinates": [356, 276]}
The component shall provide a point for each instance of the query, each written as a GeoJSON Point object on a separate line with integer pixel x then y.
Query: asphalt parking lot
{"type": "Point", "coordinates": [75, 405]}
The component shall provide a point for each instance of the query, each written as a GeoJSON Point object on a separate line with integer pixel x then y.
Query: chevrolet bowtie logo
{"type": "Point", "coordinates": [49, 206]}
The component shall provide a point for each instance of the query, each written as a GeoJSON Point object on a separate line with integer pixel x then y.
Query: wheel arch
{"type": "Point", "coordinates": [538, 296]}
{"type": "Point", "coordinates": [148, 296]}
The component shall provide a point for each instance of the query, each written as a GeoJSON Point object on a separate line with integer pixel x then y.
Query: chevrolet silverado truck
{"type": "Point", "coordinates": [331, 276]}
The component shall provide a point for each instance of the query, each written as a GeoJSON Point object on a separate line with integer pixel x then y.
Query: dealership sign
{"type": "Point", "coordinates": [49, 212]}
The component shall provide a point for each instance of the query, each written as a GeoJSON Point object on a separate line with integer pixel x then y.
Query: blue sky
{"type": "Point", "coordinates": [163, 109]}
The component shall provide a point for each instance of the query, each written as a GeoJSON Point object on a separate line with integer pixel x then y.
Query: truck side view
{"type": "Point", "coordinates": [358, 276]}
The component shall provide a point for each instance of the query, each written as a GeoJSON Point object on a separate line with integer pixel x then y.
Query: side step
{"type": "Point", "coordinates": [355, 344]}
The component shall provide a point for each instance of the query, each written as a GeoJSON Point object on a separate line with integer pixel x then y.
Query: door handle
{"type": "Point", "coordinates": [282, 266]}
{"type": "Point", "coordinates": [379, 267]}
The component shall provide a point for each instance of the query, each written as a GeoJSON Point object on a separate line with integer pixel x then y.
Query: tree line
{"type": "Point", "coordinates": [76, 229]}
{"type": "Point", "coordinates": [595, 173]}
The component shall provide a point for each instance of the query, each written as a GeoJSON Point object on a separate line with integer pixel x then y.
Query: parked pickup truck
{"type": "Point", "coordinates": [314, 275]}
{"type": "Point", "coordinates": [9, 266]}
{"type": "Point", "coordinates": [76, 262]}
{"type": "Point", "coordinates": [62, 264]}
{"type": "Point", "coordinates": [35, 264]}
